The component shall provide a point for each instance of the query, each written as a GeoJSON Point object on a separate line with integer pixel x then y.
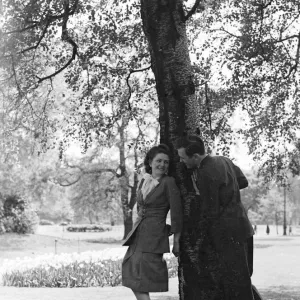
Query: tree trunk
{"type": "Point", "coordinates": [97, 218]}
{"type": "Point", "coordinates": [90, 216]}
{"type": "Point", "coordinates": [128, 203]}
{"type": "Point", "coordinates": [127, 212]}
{"type": "Point", "coordinates": [276, 222]}
{"type": "Point", "coordinates": [124, 181]}
{"type": "Point", "coordinates": [165, 29]}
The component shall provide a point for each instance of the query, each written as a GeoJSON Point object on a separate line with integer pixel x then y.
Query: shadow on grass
{"type": "Point", "coordinates": [276, 238]}
{"type": "Point", "coordinates": [280, 293]}
{"type": "Point", "coordinates": [104, 241]}
{"type": "Point", "coordinates": [272, 293]}
{"type": "Point", "coordinates": [262, 246]}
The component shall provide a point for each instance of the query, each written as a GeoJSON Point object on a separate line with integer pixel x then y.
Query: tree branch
{"type": "Point", "coordinates": [65, 37]}
{"type": "Point", "coordinates": [61, 69]}
{"type": "Point", "coordinates": [286, 26]}
{"type": "Point", "coordinates": [226, 31]}
{"type": "Point", "coordinates": [267, 4]}
{"type": "Point", "coordinates": [295, 36]}
{"type": "Point", "coordinates": [295, 66]}
{"type": "Point", "coordinates": [208, 108]}
{"type": "Point", "coordinates": [21, 29]}
{"type": "Point", "coordinates": [193, 9]}
{"type": "Point", "coordinates": [21, 94]}
{"type": "Point", "coordinates": [62, 181]}
{"type": "Point", "coordinates": [129, 87]}
{"type": "Point", "coordinates": [39, 41]}
{"type": "Point", "coordinates": [69, 183]}
{"type": "Point", "coordinates": [48, 20]}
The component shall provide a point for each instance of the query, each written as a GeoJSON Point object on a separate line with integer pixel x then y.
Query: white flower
{"type": "Point", "coordinates": [57, 261]}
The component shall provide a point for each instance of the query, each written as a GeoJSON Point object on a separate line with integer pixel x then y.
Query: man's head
{"type": "Point", "coordinates": [191, 150]}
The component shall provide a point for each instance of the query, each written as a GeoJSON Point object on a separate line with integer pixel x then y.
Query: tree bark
{"type": "Point", "coordinates": [124, 180]}
{"type": "Point", "coordinates": [165, 29]}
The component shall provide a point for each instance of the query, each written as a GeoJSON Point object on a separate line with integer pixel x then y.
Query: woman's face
{"type": "Point", "coordinates": [159, 165]}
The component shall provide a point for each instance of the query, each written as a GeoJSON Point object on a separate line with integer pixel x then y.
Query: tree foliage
{"type": "Point", "coordinates": [251, 197]}
{"type": "Point", "coordinates": [256, 46]}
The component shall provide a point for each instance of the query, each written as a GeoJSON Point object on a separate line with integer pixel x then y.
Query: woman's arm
{"type": "Point", "coordinates": [174, 199]}
{"type": "Point", "coordinates": [176, 248]}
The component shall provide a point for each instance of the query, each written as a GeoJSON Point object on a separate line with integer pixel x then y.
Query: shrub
{"type": "Point", "coordinates": [2, 228]}
{"type": "Point", "coordinates": [64, 223]}
{"type": "Point", "coordinates": [19, 216]}
{"type": "Point", "coordinates": [8, 223]}
{"type": "Point", "coordinates": [26, 221]}
{"type": "Point", "coordinates": [88, 227]}
{"type": "Point", "coordinates": [13, 202]}
{"type": "Point", "coordinates": [46, 222]}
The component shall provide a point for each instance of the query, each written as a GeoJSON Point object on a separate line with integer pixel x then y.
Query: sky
{"type": "Point", "coordinates": [242, 158]}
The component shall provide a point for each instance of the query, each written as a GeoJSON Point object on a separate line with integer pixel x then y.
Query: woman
{"type": "Point", "coordinates": [143, 269]}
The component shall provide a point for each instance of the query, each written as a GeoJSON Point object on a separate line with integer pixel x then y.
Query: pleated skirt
{"type": "Point", "coordinates": [144, 271]}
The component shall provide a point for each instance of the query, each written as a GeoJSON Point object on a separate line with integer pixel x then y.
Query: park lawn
{"type": "Point", "coordinates": [116, 234]}
{"type": "Point", "coordinates": [53, 239]}
{"type": "Point", "coordinates": [280, 293]}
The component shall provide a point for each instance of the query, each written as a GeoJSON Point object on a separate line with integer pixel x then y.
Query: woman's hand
{"type": "Point", "coordinates": [176, 249]}
{"type": "Point", "coordinates": [169, 229]}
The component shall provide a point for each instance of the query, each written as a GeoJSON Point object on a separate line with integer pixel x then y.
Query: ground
{"type": "Point", "coordinates": [276, 264]}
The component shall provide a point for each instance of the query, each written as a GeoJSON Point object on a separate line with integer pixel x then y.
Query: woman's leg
{"type": "Point", "coordinates": [141, 295]}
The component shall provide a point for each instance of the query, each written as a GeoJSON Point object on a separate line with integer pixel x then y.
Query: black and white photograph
{"type": "Point", "coordinates": [150, 149]}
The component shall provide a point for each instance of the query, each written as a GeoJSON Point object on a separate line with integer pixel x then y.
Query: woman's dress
{"type": "Point", "coordinates": [144, 268]}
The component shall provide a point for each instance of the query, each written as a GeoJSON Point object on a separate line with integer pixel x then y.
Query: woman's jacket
{"type": "Point", "coordinates": [153, 233]}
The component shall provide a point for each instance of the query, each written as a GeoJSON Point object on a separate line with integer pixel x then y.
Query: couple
{"type": "Point", "coordinates": [212, 233]}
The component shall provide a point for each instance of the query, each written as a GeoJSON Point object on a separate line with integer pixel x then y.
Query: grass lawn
{"type": "Point", "coordinates": [47, 237]}
{"type": "Point", "coordinates": [276, 263]}
{"type": "Point", "coordinates": [59, 231]}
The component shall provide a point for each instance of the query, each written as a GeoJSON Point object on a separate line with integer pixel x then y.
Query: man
{"type": "Point", "coordinates": [216, 256]}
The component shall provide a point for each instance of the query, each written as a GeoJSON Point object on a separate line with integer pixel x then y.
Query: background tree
{"type": "Point", "coordinates": [256, 50]}
{"type": "Point", "coordinates": [91, 199]}
{"type": "Point", "coordinates": [252, 195]}
{"type": "Point", "coordinates": [294, 200]}
{"type": "Point", "coordinates": [119, 157]}
{"type": "Point", "coordinates": [272, 207]}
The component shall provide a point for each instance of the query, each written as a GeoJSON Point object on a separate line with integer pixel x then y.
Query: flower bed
{"type": "Point", "coordinates": [92, 268]}
{"type": "Point", "coordinates": [88, 227]}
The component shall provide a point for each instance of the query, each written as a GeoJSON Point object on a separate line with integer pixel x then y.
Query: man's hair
{"type": "Point", "coordinates": [192, 144]}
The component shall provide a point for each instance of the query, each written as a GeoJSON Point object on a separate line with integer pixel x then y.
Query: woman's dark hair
{"type": "Point", "coordinates": [161, 148]}
{"type": "Point", "coordinates": [192, 144]}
